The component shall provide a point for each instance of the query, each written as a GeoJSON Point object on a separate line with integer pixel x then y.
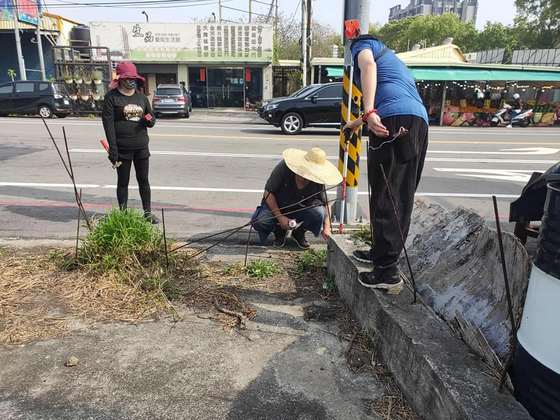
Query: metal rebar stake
{"type": "Point", "coordinates": [71, 174]}
{"type": "Point", "coordinates": [400, 229]}
{"type": "Point", "coordinates": [247, 244]}
{"type": "Point", "coordinates": [369, 200]}
{"type": "Point", "coordinates": [164, 239]}
{"type": "Point", "coordinates": [78, 228]}
{"type": "Point", "coordinates": [513, 340]}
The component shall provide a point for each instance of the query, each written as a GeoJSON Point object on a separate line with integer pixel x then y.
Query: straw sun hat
{"type": "Point", "coordinates": [312, 165]}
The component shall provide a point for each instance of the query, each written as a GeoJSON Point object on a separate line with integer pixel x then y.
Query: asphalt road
{"type": "Point", "coordinates": [208, 174]}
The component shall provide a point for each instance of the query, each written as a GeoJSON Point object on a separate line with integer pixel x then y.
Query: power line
{"type": "Point", "coordinates": [243, 11]}
{"type": "Point", "coordinates": [128, 4]}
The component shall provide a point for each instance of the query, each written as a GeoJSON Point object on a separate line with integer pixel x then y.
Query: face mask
{"type": "Point", "coordinates": [129, 84]}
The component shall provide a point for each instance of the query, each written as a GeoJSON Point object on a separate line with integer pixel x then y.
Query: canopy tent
{"type": "Point", "coordinates": [476, 74]}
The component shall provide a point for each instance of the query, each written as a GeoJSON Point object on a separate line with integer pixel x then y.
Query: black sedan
{"type": "Point", "coordinates": [34, 97]}
{"type": "Point", "coordinates": [314, 105]}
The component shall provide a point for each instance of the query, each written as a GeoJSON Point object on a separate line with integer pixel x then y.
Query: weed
{"type": "Point", "coordinates": [329, 284]}
{"type": "Point", "coordinates": [261, 269]}
{"type": "Point", "coordinates": [363, 234]}
{"type": "Point", "coordinates": [117, 237]}
{"type": "Point", "coordinates": [234, 269]}
{"type": "Point", "coordinates": [311, 260]}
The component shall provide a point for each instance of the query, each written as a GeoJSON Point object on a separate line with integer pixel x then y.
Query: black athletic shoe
{"type": "Point", "coordinates": [363, 256]}
{"type": "Point", "coordinates": [279, 237]}
{"type": "Point", "coordinates": [149, 216]}
{"type": "Point", "coordinates": [392, 283]}
{"type": "Point", "coordinates": [299, 237]}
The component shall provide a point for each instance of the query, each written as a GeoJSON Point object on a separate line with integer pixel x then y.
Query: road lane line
{"type": "Point", "coordinates": [509, 175]}
{"type": "Point", "coordinates": [278, 156]}
{"type": "Point", "coordinates": [546, 131]}
{"type": "Point", "coordinates": [334, 139]}
{"type": "Point", "coordinates": [226, 190]}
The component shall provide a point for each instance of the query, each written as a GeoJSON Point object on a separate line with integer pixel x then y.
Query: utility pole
{"type": "Point", "coordinates": [308, 38]}
{"type": "Point", "coordinates": [276, 17]}
{"type": "Point", "coordinates": [354, 11]}
{"type": "Point", "coordinates": [40, 48]}
{"type": "Point", "coordinates": [304, 42]}
{"type": "Point", "coordinates": [21, 61]}
{"type": "Point", "coordinates": [250, 10]}
{"type": "Point", "coordinates": [220, 11]}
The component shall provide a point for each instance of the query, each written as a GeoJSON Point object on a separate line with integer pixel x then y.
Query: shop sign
{"type": "Point", "coordinates": [28, 11]}
{"type": "Point", "coordinates": [204, 42]}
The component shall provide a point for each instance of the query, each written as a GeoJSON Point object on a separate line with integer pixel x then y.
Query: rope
{"type": "Point", "coordinates": [402, 131]}
{"type": "Point", "coordinates": [236, 229]}
{"type": "Point", "coordinates": [202, 251]}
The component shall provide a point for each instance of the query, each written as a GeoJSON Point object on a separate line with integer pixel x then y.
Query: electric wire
{"type": "Point", "coordinates": [127, 5]}
{"type": "Point", "coordinates": [202, 251]}
{"type": "Point", "coordinates": [237, 229]}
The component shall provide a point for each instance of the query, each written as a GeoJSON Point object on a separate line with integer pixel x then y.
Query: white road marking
{"type": "Point", "coordinates": [225, 190]}
{"type": "Point", "coordinates": [523, 151]}
{"type": "Point", "coordinates": [363, 158]}
{"type": "Point", "coordinates": [514, 175]}
{"type": "Point", "coordinates": [543, 131]}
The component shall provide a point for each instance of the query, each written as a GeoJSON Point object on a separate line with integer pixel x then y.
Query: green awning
{"type": "Point", "coordinates": [335, 72]}
{"type": "Point", "coordinates": [423, 73]}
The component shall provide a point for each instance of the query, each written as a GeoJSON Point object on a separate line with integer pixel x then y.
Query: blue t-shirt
{"type": "Point", "coordinates": [396, 92]}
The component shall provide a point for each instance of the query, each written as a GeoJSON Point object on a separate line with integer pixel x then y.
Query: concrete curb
{"type": "Point", "coordinates": [435, 371]}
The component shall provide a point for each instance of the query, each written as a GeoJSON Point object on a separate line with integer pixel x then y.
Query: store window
{"type": "Point", "coordinates": [253, 86]}
{"type": "Point", "coordinates": [197, 86]}
{"type": "Point", "coordinates": [225, 87]}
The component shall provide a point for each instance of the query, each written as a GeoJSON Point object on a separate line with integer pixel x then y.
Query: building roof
{"type": "Point", "coordinates": [49, 23]}
{"type": "Point", "coordinates": [443, 54]}
{"type": "Point", "coordinates": [288, 63]}
{"type": "Point", "coordinates": [327, 61]}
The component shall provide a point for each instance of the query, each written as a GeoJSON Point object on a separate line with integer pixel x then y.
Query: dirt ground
{"type": "Point", "coordinates": [221, 344]}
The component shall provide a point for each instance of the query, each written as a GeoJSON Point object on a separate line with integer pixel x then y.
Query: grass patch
{"type": "Point", "coordinates": [261, 269]}
{"type": "Point", "coordinates": [311, 260]}
{"type": "Point", "coordinates": [119, 237]}
{"type": "Point", "coordinates": [124, 247]}
{"type": "Point", "coordinates": [363, 235]}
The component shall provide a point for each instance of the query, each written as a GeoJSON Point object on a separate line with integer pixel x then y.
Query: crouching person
{"type": "Point", "coordinates": [295, 200]}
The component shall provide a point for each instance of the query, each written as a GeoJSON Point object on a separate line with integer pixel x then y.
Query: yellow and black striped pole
{"type": "Point", "coordinates": [349, 149]}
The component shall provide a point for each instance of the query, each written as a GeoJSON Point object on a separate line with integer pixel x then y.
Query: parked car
{"type": "Point", "coordinates": [171, 100]}
{"type": "Point", "coordinates": [35, 97]}
{"type": "Point", "coordinates": [314, 105]}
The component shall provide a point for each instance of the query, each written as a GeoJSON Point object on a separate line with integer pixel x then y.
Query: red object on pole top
{"type": "Point", "coordinates": [352, 28]}
{"type": "Point", "coordinates": [203, 74]}
{"type": "Point", "coordinates": [247, 75]}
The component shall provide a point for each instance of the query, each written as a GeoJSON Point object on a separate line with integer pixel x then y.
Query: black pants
{"type": "Point", "coordinates": [141, 167]}
{"type": "Point", "coordinates": [403, 161]}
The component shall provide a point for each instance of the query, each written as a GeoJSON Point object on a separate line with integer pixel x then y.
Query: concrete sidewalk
{"type": "Point", "coordinates": [281, 367]}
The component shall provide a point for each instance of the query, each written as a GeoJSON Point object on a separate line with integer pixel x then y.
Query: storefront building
{"type": "Point", "coordinates": [458, 93]}
{"type": "Point", "coordinates": [223, 65]}
{"type": "Point", "coordinates": [54, 31]}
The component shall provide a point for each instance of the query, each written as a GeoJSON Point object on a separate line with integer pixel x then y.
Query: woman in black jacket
{"type": "Point", "coordinates": [127, 114]}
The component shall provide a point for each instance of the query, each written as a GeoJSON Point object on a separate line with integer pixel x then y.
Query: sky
{"type": "Point", "coordinates": [325, 11]}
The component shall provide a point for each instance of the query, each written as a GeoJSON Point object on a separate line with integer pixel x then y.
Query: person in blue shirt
{"type": "Point", "coordinates": [397, 122]}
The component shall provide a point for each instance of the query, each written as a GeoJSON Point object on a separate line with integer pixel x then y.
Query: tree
{"type": "Point", "coordinates": [427, 31]}
{"type": "Point", "coordinates": [538, 23]}
{"type": "Point", "coordinates": [324, 37]}
{"type": "Point", "coordinates": [496, 35]}
{"type": "Point", "coordinates": [287, 40]}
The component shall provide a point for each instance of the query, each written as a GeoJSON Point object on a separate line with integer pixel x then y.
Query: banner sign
{"type": "Point", "coordinates": [180, 42]}
{"type": "Point", "coordinates": [6, 7]}
{"type": "Point", "coordinates": [28, 11]}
